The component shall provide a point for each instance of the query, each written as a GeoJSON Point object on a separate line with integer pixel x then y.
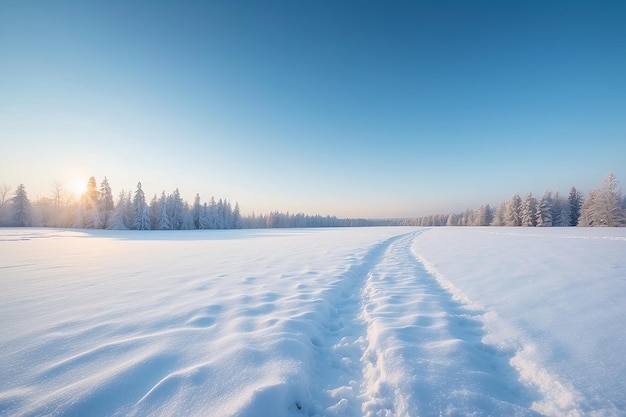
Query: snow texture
{"type": "Point", "coordinates": [313, 322]}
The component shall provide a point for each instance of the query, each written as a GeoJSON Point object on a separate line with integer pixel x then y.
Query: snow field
{"type": "Point", "coordinates": [554, 298]}
{"type": "Point", "coordinates": [313, 322]}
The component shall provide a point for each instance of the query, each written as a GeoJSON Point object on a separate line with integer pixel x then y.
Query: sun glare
{"type": "Point", "coordinates": [78, 187]}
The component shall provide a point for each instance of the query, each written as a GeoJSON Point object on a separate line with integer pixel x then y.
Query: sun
{"type": "Point", "coordinates": [78, 187]}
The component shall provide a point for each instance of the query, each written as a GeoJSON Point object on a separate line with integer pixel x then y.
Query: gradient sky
{"type": "Point", "coordinates": [370, 109]}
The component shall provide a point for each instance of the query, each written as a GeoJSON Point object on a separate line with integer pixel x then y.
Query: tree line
{"type": "Point", "coordinates": [96, 208]}
{"type": "Point", "coordinates": [603, 206]}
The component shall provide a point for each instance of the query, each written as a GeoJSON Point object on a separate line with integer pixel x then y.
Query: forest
{"type": "Point", "coordinates": [98, 209]}
{"type": "Point", "coordinates": [603, 206]}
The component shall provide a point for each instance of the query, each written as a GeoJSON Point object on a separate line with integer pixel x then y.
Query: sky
{"type": "Point", "coordinates": [355, 109]}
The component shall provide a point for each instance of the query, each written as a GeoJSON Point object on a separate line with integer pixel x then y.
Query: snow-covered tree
{"type": "Point", "coordinates": [21, 208]}
{"type": "Point", "coordinates": [467, 218]}
{"type": "Point", "coordinates": [141, 212]}
{"type": "Point", "coordinates": [483, 216]}
{"type": "Point", "coordinates": [212, 214]}
{"type": "Point", "coordinates": [119, 220]}
{"type": "Point", "coordinates": [228, 215]}
{"type": "Point", "coordinates": [163, 221]}
{"type": "Point", "coordinates": [575, 202]}
{"type": "Point", "coordinates": [196, 213]}
{"type": "Point", "coordinates": [4, 205]}
{"type": "Point", "coordinates": [514, 211]}
{"type": "Point", "coordinates": [175, 210]}
{"type": "Point", "coordinates": [499, 217]}
{"type": "Point", "coordinates": [105, 204]}
{"type": "Point", "coordinates": [544, 210]}
{"type": "Point", "coordinates": [89, 213]}
{"type": "Point", "coordinates": [603, 205]}
{"type": "Point", "coordinates": [559, 210]}
{"type": "Point", "coordinates": [236, 216]}
{"type": "Point", "coordinates": [187, 221]}
{"type": "Point", "coordinates": [154, 211]}
{"type": "Point", "coordinates": [529, 211]}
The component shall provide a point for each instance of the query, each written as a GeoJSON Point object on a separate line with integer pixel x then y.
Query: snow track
{"type": "Point", "coordinates": [402, 346]}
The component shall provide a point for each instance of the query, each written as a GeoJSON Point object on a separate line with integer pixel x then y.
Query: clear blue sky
{"type": "Point", "coordinates": [372, 109]}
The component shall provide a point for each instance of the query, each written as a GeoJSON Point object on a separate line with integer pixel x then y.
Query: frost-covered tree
{"type": "Point", "coordinates": [89, 213]}
{"type": "Point", "coordinates": [196, 213]}
{"type": "Point", "coordinates": [544, 210]}
{"type": "Point", "coordinates": [163, 218]}
{"type": "Point", "coordinates": [483, 216]}
{"type": "Point", "coordinates": [603, 205]}
{"type": "Point", "coordinates": [514, 211]}
{"type": "Point", "coordinates": [119, 220]}
{"type": "Point", "coordinates": [575, 202]}
{"type": "Point", "coordinates": [499, 217]}
{"type": "Point", "coordinates": [21, 208]}
{"type": "Point", "coordinates": [154, 211]}
{"type": "Point", "coordinates": [175, 210]}
{"type": "Point", "coordinates": [559, 213]}
{"type": "Point", "coordinates": [529, 211]}
{"type": "Point", "coordinates": [4, 204]}
{"type": "Point", "coordinates": [141, 212]}
{"type": "Point", "coordinates": [105, 203]}
{"type": "Point", "coordinates": [236, 216]}
{"type": "Point", "coordinates": [212, 214]}
{"type": "Point", "coordinates": [586, 211]}
{"type": "Point", "coordinates": [467, 219]}
{"type": "Point", "coordinates": [228, 215]}
{"type": "Point", "coordinates": [451, 220]}
{"type": "Point", "coordinates": [90, 197]}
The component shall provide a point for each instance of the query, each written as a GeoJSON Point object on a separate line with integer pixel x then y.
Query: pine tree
{"type": "Point", "coordinates": [154, 212]}
{"type": "Point", "coordinates": [90, 213]}
{"type": "Point", "coordinates": [196, 213]}
{"type": "Point", "coordinates": [228, 215]}
{"type": "Point", "coordinates": [237, 217]}
{"type": "Point", "coordinates": [141, 213]}
{"type": "Point", "coordinates": [187, 221]}
{"type": "Point", "coordinates": [105, 203]}
{"type": "Point", "coordinates": [212, 214]}
{"type": "Point", "coordinates": [163, 222]}
{"type": "Point", "coordinates": [21, 208]}
{"type": "Point", "coordinates": [483, 216]}
{"type": "Point", "coordinates": [529, 211]}
{"type": "Point", "coordinates": [175, 210]}
{"type": "Point", "coordinates": [544, 210]}
{"type": "Point", "coordinates": [118, 219]}
{"type": "Point", "coordinates": [514, 211]}
{"type": "Point", "coordinates": [558, 214]}
{"type": "Point", "coordinates": [603, 207]}
{"type": "Point", "coordinates": [499, 218]}
{"type": "Point", "coordinates": [575, 201]}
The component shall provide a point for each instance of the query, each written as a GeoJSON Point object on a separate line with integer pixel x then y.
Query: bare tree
{"type": "Point", "coordinates": [4, 192]}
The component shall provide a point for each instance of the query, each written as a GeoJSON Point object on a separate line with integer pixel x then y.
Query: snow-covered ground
{"type": "Point", "coordinates": [313, 322]}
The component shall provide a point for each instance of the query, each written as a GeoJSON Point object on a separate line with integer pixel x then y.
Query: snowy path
{"type": "Point", "coordinates": [401, 346]}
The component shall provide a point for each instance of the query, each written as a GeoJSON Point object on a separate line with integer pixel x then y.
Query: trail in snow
{"type": "Point", "coordinates": [399, 345]}
{"type": "Point", "coordinates": [340, 370]}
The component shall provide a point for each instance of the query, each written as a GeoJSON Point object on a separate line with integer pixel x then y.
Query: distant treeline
{"type": "Point", "coordinates": [96, 209]}
{"type": "Point", "coordinates": [603, 206]}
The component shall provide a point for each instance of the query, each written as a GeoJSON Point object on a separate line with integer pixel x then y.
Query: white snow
{"type": "Point", "coordinates": [313, 322]}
